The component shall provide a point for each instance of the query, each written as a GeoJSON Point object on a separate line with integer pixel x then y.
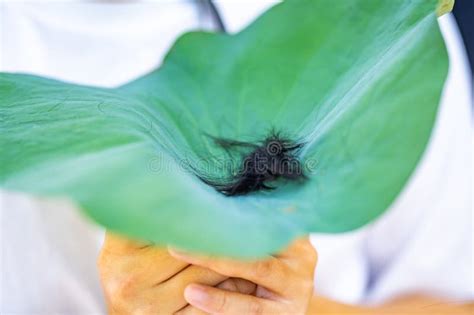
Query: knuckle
{"type": "Point", "coordinates": [223, 268]}
{"type": "Point", "coordinates": [126, 288]}
{"type": "Point", "coordinates": [255, 308]}
{"type": "Point", "coordinates": [307, 284]}
{"type": "Point", "coordinates": [263, 268]}
{"type": "Point", "coordinates": [312, 255]}
{"type": "Point", "coordinates": [142, 310]}
{"type": "Point", "coordinates": [222, 303]}
{"type": "Point", "coordinates": [120, 290]}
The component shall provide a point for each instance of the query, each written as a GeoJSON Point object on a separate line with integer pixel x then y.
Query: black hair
{"type": "Point", "coordinates": [273, 158]}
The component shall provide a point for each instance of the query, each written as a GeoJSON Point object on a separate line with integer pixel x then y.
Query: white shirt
{"type": "Point", "coordinates": [422, 244]}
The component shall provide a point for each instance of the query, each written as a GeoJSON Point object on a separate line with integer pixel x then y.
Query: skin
{"type": "Point", "coordinates": [141, 279]}
{"type": "Point", "coordinates": [412, 305]}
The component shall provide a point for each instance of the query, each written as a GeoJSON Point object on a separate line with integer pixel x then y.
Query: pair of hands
{"type": "Point", "coordinates": [140, 279]}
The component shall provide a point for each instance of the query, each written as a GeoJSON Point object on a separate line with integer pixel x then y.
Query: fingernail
{"type": "Point", "coordinates": [195, 294]}
{"type": "Point", "coordinates": [176, 253]}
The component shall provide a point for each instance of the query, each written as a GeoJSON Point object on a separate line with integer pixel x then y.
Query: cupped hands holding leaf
{"type": "Point", "coordinates": [140, 279]}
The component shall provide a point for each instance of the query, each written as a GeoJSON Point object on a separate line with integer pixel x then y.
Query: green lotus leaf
{"type": "Point", "coordinates": [358, 82]}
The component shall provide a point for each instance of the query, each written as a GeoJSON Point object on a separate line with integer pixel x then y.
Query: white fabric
{"type": "Point", "coordinates": [423, 243]}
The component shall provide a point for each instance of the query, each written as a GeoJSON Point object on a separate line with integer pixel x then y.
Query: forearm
{"type": "Point", "coordinates": [408, 305]}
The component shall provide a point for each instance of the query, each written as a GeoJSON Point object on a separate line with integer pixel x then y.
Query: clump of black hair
{"type": "Point", "coordinates": [264, 162]}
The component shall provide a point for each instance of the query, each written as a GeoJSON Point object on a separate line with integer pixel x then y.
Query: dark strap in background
{"type": "Point", "coordinates": [464, 14]}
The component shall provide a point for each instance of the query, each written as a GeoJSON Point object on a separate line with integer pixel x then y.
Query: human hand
{"type": "Point", "coordinates": [284, 283]}
{"type": "Point", "coordinates": [141, 279]}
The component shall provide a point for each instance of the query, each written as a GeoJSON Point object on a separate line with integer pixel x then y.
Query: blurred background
{"type": "Point", "coordinates": [424, 243]}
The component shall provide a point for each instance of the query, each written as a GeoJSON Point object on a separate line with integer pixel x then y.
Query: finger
{"type": "Point", "coordinates": [174, 287]}
{"type": "Point", "coordinates": [233, 284]}
{"type": "Point", "coordinates": [145, 268]}
{"type": "Point", "coordinates": [300, 255]}
{"type": "Point", "coordinates": [216, 301]}
{"type": "Point", "coordinates": [238, 285]}
{"type": "Point", "coordinates": [269, 273]}
{"type": "Point", "coordinates": [118, 244]}
{"type": "Point", "coordinates": [190, 310]}
{"type": "Point", "coordinates": [296, 248]}
{"type": "Point", "coordinates": [150, 267]}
